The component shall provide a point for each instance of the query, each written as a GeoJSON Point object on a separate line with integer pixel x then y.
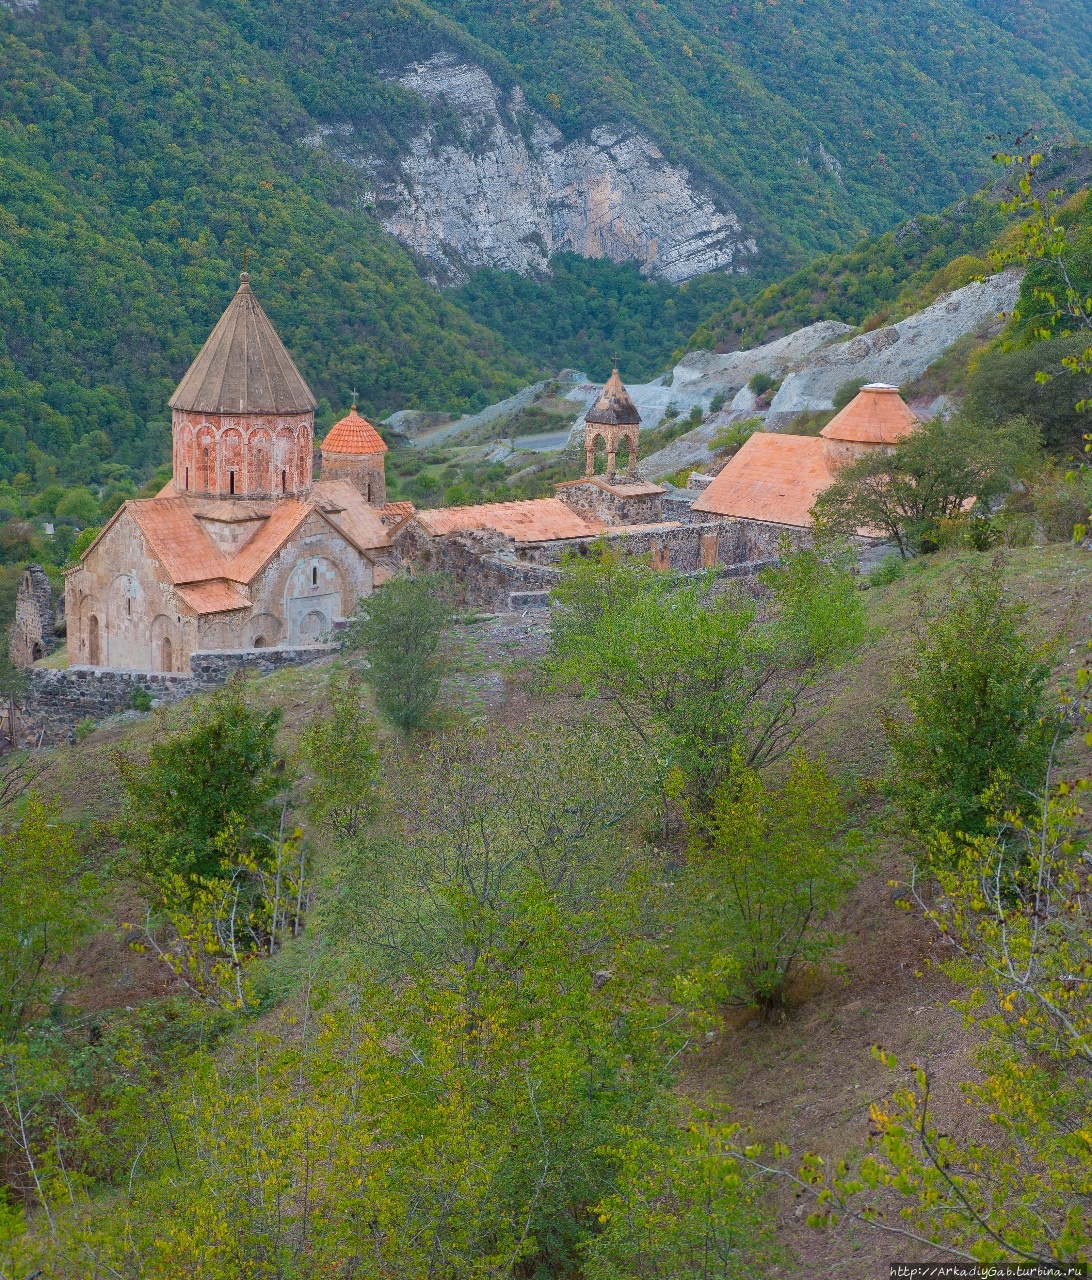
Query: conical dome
{"type": "Point", "coordinates": [876, 415]}
{"type": "Point", "coordinates": [243, 367]}
{"type": "Point", "coordinates": [353, 435]}
{"type": "Point", "coordinates": [614, 406]}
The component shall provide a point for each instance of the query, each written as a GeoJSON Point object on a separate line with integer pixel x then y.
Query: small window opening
{"type": "Point", "coordinates": [129, 605]}
{"type": "Point", "coordinates": [284, 482]}
{"type": "Point", "coordinates": [314, 575]}
{"type": "Point", "coordinates": [231, 481]}
{"type": "Point", "coordinates": [187, 479]}
{"type": "Point", "coordinates": [369, 493]}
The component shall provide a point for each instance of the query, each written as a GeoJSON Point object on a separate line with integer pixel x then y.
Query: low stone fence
{"type": "Point", "coordinates": [56, 701]}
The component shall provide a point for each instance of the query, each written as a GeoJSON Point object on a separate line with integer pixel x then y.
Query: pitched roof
{"type": "Point", "coordinates": [621, 486]}
{"type": "Point", "coordinates": [177, 539]}
{"type": "Point", "coordinates": [285, 518]}
{"type": "Point", "coordinates": [614, 406]}
{"type": "Point", "coordinates": [393, 513]}
{"type": "Point", "coordinates": [213, 597]}
{"type": "Point", "coordinates": [533, 520]}
{"type": "Point", "coordinates": [343, 506]}
{"type": "Point", "coordinates": [353, 435]}
{"type": "Point", "coordinates": [877, 414]}
{"type": "Point", "coordinates": [243, 366]}
{"type": "Point", "coordinates": [773, 477]}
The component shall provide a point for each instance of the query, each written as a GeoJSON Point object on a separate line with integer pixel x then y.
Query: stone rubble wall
{"type": "Point", "coordinates": [57, 700]}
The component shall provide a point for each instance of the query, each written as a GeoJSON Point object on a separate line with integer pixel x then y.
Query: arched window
{"type": "Point", "coordinates": [166, 654]}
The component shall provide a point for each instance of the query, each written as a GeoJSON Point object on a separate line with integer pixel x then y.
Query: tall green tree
{"type": "Point", "coordinates": [399, 633]}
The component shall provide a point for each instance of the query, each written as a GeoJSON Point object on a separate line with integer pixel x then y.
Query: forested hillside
{"type": "Point", "coordinates": [143, 147]}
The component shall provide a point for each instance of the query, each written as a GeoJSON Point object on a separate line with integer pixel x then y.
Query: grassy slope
{"type": "Point", "coordinates": [809, 1080]}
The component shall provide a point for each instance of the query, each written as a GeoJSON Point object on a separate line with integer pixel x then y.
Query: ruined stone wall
{"type": "Point", "coordinates": [56, 701]}
{"type": "Point", "coordinates": [594, 502]}
{"type": "Point", "coordinates": [33, 634]}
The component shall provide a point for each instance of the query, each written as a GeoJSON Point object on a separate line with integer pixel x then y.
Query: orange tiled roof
{"type": "Point", "coordinates": [533, 520]}
{"type": "Point", "coordinates": [213, 597]}
{"type": "Point", "coordinates": [179, 542]}
{"type": "Point", "coordinates": [251, 559]}
{"type": "Point", "coordinates": [773, 477]}
{"type": "Point", "coordinates": [353, 434]}
{"type": "Point", "coordinates": [392, 513]}
{"type": "Point", "coordinates": [352, 516]}
{"type": "Point", "coordinates": [877, 414]}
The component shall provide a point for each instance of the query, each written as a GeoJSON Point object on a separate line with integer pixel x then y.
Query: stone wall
{"type": "Point", "coordinates": [34, 634]}
{"type": "Point", "coordinates": [57, 701]}
{"type": "Point", "coordinates": [613, 502]}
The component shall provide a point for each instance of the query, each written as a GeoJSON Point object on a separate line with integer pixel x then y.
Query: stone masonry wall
{"type": "Point", "coordinates": [57, 701]}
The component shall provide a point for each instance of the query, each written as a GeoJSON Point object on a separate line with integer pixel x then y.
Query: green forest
{"type": "Point", "coordinates": [143, 148]}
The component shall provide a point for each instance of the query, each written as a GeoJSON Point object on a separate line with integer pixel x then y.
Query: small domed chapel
{"type": "Point", "coordinates": [242, 549]}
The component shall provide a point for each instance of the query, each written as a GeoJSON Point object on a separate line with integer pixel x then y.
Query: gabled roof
{"type": "Point", "coordinates": [342, 505]}
{"type": "Point", "coordinates": [285, 518]}
{"type": "Point", "coordinates": [773, 477]}
{"type": "Point", "coordinates": [177, 539]}
{"type": "Point", "coordinates": [614, 406]}
{"type": "Point", "coordinates": [533, 520]}
{"type": "Point", "coordinates": [353, 435]}
{"type": "Point", "coordinates": [877, 414]}
{"type": "Point", "coordinates": [393, 513]}
{"type": "Point", "coordinates": [213, 597]}
{"type": "Point", "coordinates": [243, 366]}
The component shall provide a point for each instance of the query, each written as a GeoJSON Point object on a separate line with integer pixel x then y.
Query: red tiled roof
{"type": "Point", "coordinates": [393, 513]}
{"type": "Point", "coordinates": [877, 414]}
{"type": "Point", "coordinates": [353, 435]}
{"type": "Point", "coordinates": [773, 477]}
{"type": "Point", "coordinates": [533, 520]}
{"type": "Point", "coordinates": [213, 597]}
{"type": "Point", "coordinates": [179, 542]}
{"type": "Point", "coordinates": [251, 559]}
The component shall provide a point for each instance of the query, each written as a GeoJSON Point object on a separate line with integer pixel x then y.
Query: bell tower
{"type": "Point", "coordinates": [612, 419]}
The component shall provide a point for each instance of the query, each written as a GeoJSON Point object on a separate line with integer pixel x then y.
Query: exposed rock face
{"type": "Point", "coordinates": [701, 371]}
{"type": "Point", "coordinates": [899, 353]}
{"type": "Point", "coordinates": [511, 192]}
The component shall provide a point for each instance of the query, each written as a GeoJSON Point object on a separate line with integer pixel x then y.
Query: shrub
{"type": "Point", "coordinates": [708, 681]}
{"type": "Point", "coordinates": [847, 392]}
{"type": "Point", "coordinates": [140, 700]}
{"type": "Point", "coordinates": [734, 436]}
{"type": "Point", "coordinates": [718, 402]}
{"type": "Point", "coordinates": [215, 773]}
{"type": "Point", "coordinates": [399, 632]}
{"type": "Point", "coordinates": [760, 384]}
{"type": "Point", "coordinates": [767, 868]}
{"type": "Point", "coordinates": [889, 570]}
{"type": "Point", "coordinates": [1062, 500]}
{"type": "Point", "coordinates": [975, 693]}
{"type": "Point", "coordinates": [1003, 386]}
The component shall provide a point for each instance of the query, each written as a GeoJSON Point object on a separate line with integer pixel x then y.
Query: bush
{"type": "Point", "coordinates": [767, 868]}
{"type": "Point", "coordinates": [140, 700]}
{"type": "Point", "coordinates": [1003, 386]}
{"type": "Point", "coordinates": [889, 570]}
{"type": "Point", "coordinates": [216, 773]}
{"type": "Point", "coordinates": [847, 392]}
{"type": "Point", "coordinates": [708, 680]}
{"type": "Point", "coordinates": [760, 384]}
{"type": "Point", "coordinates": [718, 402]}
{"type": "Point", "coordinates": [975, 692]}
{"type": "Point", "coordinates": [400, 633]}
{"type": "Point", "coordinates": [1062, 500]}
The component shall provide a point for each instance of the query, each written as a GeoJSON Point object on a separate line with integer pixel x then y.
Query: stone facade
{"type": "Point", "coordinates": [619, 501]}
{"type": "Point", "coordinates": [34, 633]}
{"type": "Point", "coordinates": [243, 549]}
{"type": "Point", "coordinates": [365, 472]}
{"type": "Point", "coordinates": [238, 455]}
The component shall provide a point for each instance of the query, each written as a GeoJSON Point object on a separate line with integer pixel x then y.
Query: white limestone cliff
{"type": "Point", "coordinates": [511, 191]}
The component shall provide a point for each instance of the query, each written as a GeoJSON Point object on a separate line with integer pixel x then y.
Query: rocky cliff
{"type": "Point", "coordinates": [504, 188]}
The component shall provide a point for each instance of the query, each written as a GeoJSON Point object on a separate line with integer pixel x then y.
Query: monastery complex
{"type": "Point", "coordinates": [245, 550]}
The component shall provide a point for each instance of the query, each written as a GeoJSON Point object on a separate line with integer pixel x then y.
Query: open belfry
{"type": "Point", "coordinates": [242, 549]}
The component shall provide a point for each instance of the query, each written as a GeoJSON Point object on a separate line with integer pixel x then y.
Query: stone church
{"type": "Point", "coordinates": [242, 549]}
